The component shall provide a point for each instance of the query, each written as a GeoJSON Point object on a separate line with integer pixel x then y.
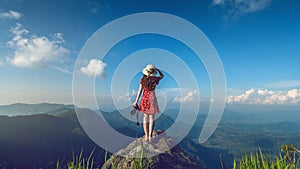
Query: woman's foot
{"type": "Point", "coordinates": [146, 138]}
{"type": "Point", "coordinates": [149, 139]}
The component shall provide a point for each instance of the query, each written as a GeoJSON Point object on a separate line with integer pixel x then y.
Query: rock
{"type": "Point", "coordinates": [157, 154]}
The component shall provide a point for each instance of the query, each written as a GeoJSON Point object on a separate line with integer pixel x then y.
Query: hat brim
{"type": "Point", "coordinates": [145, 72]}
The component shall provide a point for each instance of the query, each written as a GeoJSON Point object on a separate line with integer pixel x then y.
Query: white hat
{"type": "Point", "coordinates": [149, 70]}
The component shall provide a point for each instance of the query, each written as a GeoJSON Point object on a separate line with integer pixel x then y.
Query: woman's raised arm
{"type": "Point", "coordinates": [161, 75]}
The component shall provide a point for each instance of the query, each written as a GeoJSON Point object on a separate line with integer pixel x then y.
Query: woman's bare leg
{"type": "Point", "coordinates": [145, 122]}
{"type": "Point", "coordinates": [151, 125]}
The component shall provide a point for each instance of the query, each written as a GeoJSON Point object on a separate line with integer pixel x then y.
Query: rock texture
{"type": "Point", "coordinates": [153, 156]}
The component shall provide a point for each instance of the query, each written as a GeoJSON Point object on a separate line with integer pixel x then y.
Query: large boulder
{"type": "Point", "coordinates": [150, 155]}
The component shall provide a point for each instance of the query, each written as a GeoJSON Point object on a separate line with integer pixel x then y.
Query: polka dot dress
{"type": "Point", "coordinates": [149, 102]}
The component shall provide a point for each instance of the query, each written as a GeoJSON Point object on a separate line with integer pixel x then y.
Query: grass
{"type": "Point", "coordinates": [138, 162]}
{"type": "Point", "coordinates": [288, 158]}
{"type": "Point", "coordinates": [80, 162]}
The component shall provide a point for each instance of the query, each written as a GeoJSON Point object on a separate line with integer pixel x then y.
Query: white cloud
{"type": "Point", "coordinates": [1, 63]}
{"type": "Point", "coordinates": [189, 97]}
{"type": "Point", "coordinates": [96, 7]}
{"type": "Point", "coordinates": [58, 38]}
{"type": "Point", "coordinates": [10, 15]}
{"type": "Point", "coordinates": [255, 5]}
{"type": "Point", "coordinates": [94, 68]}
{"type": "Point", "coordinates": [265, 92]}
{"type": "Point", "coordinates": [123, 98]}
{"type": "Point", "coordinates": [63, 70]}
{"type": "Point", "coordinates": [289, 97]}
{"type": "Point", "coordinates": [240, 98]}
{"type": "Point", "coordinates": [35, 51]}
{"type": "Point", "coordinates": [236, 8]}
{"type": "Point", "coordinates": [218, 2]}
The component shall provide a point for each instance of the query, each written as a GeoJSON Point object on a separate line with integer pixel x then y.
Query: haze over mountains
{"type": "Point", "coordinates": [241, 112]}
{"type": "Point", "coordinates": [30, 109]}
{"type": "Point", "coordinates": [40, 134]}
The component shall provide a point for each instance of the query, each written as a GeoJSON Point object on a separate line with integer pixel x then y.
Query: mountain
{"type": "Point", "coordinates": [172, 113]}
{"type": "Point", "coordinates": [175, 157]}
{"type": "Point", "coordinates": [53, 135]}
{"type": "Point", "coordinates": [117, 120]}
{"type": "Point", "coordinates": [258, 113]}
{"type": "Point", "coordinates": [235, 138]}
{"type": "Point", "coordinates": [30, 109]}
{"type": "Point", "coordinates": [273, 117]}
{"type": "Point", "coordinates": [228, 115]}
{"type": "Point", "coordinates": [66, 113]}
{"type": "Point", "coordinates": [234, 116]}
{"type": "Point", "coordinates": [233, 113]}
{"type": "Point", "coordinates": [40, 140]}
{"type": "Point", "coordinates": [208, 157]}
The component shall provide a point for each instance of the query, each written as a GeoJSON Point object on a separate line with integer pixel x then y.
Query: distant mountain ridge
{"type": "Point", "coordinates": [17, 109]}
{"type": "Point", "coordinates": [53, 131]}
{"type": "Point", "coordinates": [229, 114]}
{"type": "Point", "coordinates": [45, 138]}
{"type": "Point", "coordinates": [116, 120]}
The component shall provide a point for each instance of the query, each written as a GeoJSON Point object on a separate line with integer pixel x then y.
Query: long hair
{"type": "Point", "coordinates": [149, 82]}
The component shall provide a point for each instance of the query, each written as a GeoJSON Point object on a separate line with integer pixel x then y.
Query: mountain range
{"type": "Point", "coordinates": [30, 109]}
{"type": "Point", "coordinates": [33, 136]}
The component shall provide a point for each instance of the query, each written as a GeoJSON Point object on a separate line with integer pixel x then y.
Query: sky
{"type": "Point", "coordinates": [257, 41]}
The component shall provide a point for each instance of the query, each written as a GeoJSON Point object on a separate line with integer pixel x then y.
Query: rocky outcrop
{"type": "Point", "coordinates": [153, 156]}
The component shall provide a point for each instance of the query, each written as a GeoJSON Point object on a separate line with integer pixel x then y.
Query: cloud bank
{"type": "Point", "coordinates": [189, 97]}
{"type": "Point", "coordinates": [35, 51]}
{"type": "Point", "coordinates": [267, 97]}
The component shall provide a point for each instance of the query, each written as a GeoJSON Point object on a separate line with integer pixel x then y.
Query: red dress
{"type": "Point", "coordinates": [149, 102]}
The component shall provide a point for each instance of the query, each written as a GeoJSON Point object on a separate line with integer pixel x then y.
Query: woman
{"type": "Point", "coordinates": [148, 105]}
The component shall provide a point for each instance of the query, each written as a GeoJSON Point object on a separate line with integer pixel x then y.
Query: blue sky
{"type": "Point", "coordinates": [258, 42]}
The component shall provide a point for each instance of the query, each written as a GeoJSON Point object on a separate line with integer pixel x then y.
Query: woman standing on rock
{"type": "Point", "coordinates": [148, 105]}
